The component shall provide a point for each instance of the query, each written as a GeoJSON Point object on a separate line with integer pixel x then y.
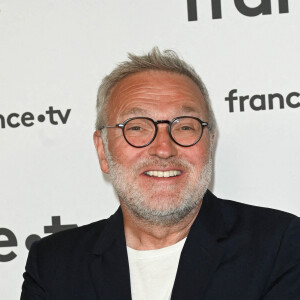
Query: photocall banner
{"type": "Point", "coordinates": [53, 55]}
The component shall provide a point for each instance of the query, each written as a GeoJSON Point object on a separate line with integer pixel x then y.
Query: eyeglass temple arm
{"type": "Point", "coordinates": [111, 126]}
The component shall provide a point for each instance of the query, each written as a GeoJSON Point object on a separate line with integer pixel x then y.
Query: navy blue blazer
{"type": "Point", "coordinates": [233, 251]}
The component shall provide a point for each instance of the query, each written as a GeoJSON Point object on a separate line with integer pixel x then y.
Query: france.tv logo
{"type": "Point", "coordinates": [28, 119]}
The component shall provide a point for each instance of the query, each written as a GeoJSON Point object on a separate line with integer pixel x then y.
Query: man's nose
{"type": "Point", "coordinates": [163, 146]}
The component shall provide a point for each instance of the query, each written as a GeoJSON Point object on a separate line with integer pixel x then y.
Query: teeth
{"type": "Point", "coordinates": [170, 173]}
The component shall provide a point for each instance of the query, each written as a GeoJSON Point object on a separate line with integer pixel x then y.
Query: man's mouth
{"type": "Point", "coordinates": [169, 173]}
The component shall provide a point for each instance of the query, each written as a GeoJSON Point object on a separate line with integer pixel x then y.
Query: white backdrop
{"type": "Point", "coordinates": [53, 55]}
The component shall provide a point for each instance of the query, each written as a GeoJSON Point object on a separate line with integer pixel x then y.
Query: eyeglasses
{"type": "Point", "coordinates": [140, 132]}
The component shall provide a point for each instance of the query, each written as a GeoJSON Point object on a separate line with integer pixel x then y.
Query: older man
{"type": "Point", "coordinates": [171, 237]}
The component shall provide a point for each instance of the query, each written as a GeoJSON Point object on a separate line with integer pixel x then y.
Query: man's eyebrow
{"type": "Point", "coordinates": [189, 109]}
{"type": "Point", "coordinates": [135, 111]}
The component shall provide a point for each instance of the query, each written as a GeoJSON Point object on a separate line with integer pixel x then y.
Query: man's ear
{"type": "Point", "coordinates": [100, 151]}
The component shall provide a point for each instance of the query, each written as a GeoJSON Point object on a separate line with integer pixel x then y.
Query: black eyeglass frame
{"type": "Point", "coordinates": [123, 124]}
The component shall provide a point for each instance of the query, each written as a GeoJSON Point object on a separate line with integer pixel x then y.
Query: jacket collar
{"type": "Point", "coordinates": [114, 229]}
{"type": "Point", "coordinates": [202, 252]}
{"type": "Point", "coordinates": [109, 266]}
{"type": "Point", "coordinates": [201, 255]}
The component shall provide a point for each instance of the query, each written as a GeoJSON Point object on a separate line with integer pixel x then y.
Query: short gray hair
{"type": "Point", "coordinates": [155, 60]}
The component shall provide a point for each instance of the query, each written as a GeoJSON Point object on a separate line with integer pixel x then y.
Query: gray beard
{"type": "Point", "coordinates": [137, 202]}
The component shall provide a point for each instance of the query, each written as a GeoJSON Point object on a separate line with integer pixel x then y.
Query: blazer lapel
{"type": "Point", "coordinates": [109, 262]}
{"type": "Point", "coordinates": [202, 252]}
{"type": "Point", "coordinates": [201, 255]}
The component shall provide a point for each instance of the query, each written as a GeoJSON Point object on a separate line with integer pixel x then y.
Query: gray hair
{"type": "Point", "coordinates": [155, 60]}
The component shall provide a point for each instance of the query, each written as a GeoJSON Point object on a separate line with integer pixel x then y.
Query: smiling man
{"type": "Point", "coordinates": [171, 238]}
{"type": "Point", "coordinates": [160, 169]}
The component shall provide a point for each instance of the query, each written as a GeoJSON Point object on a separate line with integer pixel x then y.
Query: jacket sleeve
{"type": "Point", "coordinates": [284, 283]}
{"type": "Point", "coordinates": [32, 288]}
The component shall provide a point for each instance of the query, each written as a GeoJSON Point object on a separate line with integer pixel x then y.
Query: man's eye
{"type": "Point", "coordinates": [186, 128]}
{"type": "Point", "coordinates": [135, 128]}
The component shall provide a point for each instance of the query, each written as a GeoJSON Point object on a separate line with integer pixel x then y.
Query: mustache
{"type": "Point", "coordinates": [162, 163]}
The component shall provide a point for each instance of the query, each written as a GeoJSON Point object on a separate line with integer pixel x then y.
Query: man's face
{"type": "Point", "coordinates": [161, 96]}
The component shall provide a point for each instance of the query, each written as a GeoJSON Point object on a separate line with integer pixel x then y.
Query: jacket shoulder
{"type": "Point", "coordinates": [72, 240]}
{"type": "Point", "coordinates": [254, 218]}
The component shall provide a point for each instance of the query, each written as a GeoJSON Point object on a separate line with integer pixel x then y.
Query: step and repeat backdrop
{"type": "Point", "coordinates": [53, 55]}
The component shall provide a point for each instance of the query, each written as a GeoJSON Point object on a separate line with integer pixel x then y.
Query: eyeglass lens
{"type": "Point", "coordinates": [140, 132]}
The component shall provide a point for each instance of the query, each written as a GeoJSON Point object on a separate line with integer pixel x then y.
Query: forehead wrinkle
{"type": "Point", "coordinates": [126, 110]}
{"type": "Point", "coordinates": [135, 111]}
{"type": "Point", "coordinates": [148, 86]}
{"type": "Point", "coordinates": [144, 92]}
{"type": "Point", "coordinates": [189, 109]}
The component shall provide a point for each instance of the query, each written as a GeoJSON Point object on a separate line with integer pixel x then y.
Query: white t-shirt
{"type": "Point", "coordinates": [152, 272]}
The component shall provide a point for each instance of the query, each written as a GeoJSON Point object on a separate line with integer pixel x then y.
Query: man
{"type": "Point", "coordinates": [171, 238]}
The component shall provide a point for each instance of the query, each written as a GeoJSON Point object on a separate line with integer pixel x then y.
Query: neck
{"type": "Point", "coordinates": [141, 235]}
